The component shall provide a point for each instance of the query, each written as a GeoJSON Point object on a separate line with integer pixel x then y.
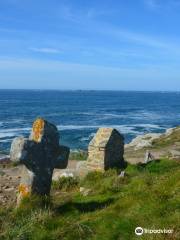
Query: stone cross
{"type": "Point", "coordinates": [40, 154]}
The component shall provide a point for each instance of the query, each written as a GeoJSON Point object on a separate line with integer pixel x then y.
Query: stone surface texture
{"type": "Point", "coordinates": [105, 151]}
{"type": "Point", "coordinates": [143, 141]}
{"type": "Point", "coordinates": [40, 154]}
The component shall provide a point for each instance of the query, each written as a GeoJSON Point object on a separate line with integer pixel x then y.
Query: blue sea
{"type": "Point", "coordinates": [78, 114]}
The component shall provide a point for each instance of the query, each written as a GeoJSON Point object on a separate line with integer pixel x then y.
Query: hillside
{"type": "Point", "coordinates": [108, 207]}
{"type": "Point", "coordinates": [104, 206]}
{"type": "Point", "coordinates": [161, 145]}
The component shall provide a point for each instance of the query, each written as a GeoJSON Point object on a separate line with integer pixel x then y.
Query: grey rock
{"type": "Point", "coordinates": [9, 189]}
{"type": "Point", "coordinates": [169, 131]}
{"type": "Point", "coordinates": [105, 151]}
{"type": "Point", "coordinates": [63, 173]}
{"type": "Point", "coordinates": [40, 154]}
{"type": "Point", "coordinates": [17, 152]}
{"type": "Point", "coordinates": [143, 141]}
{"type": "Point", "coordinates": [122, 174]}
{"type": "Point", "coordinates": [175, 153]}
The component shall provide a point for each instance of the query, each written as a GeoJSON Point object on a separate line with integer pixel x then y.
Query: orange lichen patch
{"type": "Point", "coordinates": [38, 128]}
{"type": "Point", "coordinates": [23, 190]}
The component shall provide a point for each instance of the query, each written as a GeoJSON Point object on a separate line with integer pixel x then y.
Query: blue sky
{"type": "Point", "coordinates": [97, 44]}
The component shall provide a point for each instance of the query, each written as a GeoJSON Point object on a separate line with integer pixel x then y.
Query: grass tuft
{"type": "Point", "coordinates": [78, 155]}
{"type": "Point", "coordinates": [65, 183]}
{"type": "Point", "coordinates": [148, 196]}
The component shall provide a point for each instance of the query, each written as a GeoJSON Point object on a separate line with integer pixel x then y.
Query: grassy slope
{"type": "Point", "coordinates": [147, 196]}
{"type": "Point", "coordinates": [165, 141]}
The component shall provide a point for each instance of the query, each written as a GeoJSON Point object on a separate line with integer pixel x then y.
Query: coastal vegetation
{"type": "Point", "coordinates": [104, 205]}
{"type": "Point", "coordinates": [101, 206]}
{"type": "Point", "coordinates": [164, 141]}
{"type": "Point", "coordinates": [80, 155]}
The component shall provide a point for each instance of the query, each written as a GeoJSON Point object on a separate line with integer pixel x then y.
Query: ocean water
{"type": "Point", "coordinates": [78, 114]}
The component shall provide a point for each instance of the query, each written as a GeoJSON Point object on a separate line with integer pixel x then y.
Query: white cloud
{"type": "Point", "coordinates": [45, 50]}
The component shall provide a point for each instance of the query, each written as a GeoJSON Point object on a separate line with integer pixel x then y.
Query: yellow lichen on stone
{"type": "Point", "coordinates": [38, 128]}
{"type": "Point", "coordinates": [23, 190]}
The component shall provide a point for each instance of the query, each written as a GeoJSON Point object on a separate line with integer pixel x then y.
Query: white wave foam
{"type": "Point", "coordinates": [87, 113]}
{"type": "Point", "coordinates": [15, 130]}
{"type": "Point", "coordinates": [107, 116]}
{"type": "Point", "coordinates": [144, 115]}
{"type": "Point", "coordinates": [74, 127]}
{"type": "Point", "coordinates": [71, 113]}
{"type": "Point", "coordinates": [125, 129]}
{"type": "Point", "coordinates": [140, 114]}
{"type": "Point", "coordinates": [84, 139]}
{"type": "Point", "coordinates": [5, 140]}
{"type": "Point", "coordinates": [122, 128]}
{"type": "Point", "coordinates": [15, 120]}
{"type": "Point", "coordinates": [12, 132]}
{"type": "Point", "coordinates": [151, 126]}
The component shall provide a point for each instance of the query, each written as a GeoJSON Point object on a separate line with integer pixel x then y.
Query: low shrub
{"type": "Point", "coordinates": [79, 155]}
{"type": "Point", "coordinates": [65, 183]}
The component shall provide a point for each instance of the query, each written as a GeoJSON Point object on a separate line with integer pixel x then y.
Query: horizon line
{"type": "Point", "coordinates": [88, 90]}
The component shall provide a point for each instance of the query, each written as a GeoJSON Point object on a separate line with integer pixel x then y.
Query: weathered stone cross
{"type": "Point", "coordinates": [40, 154]}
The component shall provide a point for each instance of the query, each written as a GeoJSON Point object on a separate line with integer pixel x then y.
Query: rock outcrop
{"type": "Point", "coordinates": [165, 145]}
{"type": "Point", "coordinates": [143, 141]}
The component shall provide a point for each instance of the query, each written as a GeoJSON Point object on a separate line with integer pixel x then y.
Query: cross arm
{"type": "Point", "coordinates": [61, 161]}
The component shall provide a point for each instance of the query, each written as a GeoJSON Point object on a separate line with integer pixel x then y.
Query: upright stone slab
{"type": "Point", "coordinates": [40, 154]}
{"type": "Point", "coordinates": [106, 150]}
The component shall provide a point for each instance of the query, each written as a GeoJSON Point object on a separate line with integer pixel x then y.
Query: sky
{"type": "Point", "coordinates": [93, 45]}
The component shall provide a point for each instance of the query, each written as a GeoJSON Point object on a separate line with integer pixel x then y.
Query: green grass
{"type": "Point", "coordinates": [65, 183]}
{"type": "Point", "coordinates": [165, 141]}
{"type": "Point", "coordinates": [79, 155]}
{"type": "Point", "coordinates": [148, 196]}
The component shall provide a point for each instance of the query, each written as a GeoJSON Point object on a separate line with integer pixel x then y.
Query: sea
{"type": "Point", "coordinates": [78, 114]}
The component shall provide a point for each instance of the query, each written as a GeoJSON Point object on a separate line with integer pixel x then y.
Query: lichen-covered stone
{"type": "Point", "coordinates": [105, 151]}
{"type": "Point", "coordinates": [40, 154]}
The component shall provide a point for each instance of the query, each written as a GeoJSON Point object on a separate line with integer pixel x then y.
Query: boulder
{"type": "Point", "coordinates": [17, 151]}
{"type": "Point", "coordinates": [143, 141]}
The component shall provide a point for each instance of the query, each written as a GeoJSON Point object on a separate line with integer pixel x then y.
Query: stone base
{"type": "Point", "coordinates": [83, 168]}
